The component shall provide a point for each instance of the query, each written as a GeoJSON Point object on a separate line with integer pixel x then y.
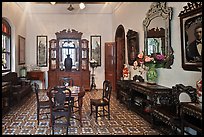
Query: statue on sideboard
{"type": "Point", "coordinates": [68, 63]}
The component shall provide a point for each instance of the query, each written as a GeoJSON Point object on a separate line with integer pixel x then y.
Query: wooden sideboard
{"type": "Point", "coordinates": [140, 96]}
{"type": "Point", "coordinates": [191, 116]}
{"type": "Point", "coordinates": [37, 75]}
{"type": "Point", "coordinates": [80, 78]}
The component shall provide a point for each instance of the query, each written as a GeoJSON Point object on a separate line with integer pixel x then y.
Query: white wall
{"type": "Point", "coordinates": [88, 24]}
{"type": "Point", "coordinates": [131, 16]}
{"type": "Point", "coordinates": [16, 18]}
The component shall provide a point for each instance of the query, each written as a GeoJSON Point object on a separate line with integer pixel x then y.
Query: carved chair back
{"type": "Point", "coordinates": [181, 93]}
{"type": "Point", "coordinates": [107, 88]}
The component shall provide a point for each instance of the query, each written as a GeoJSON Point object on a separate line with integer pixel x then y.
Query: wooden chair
{"type": "Point", "coordinates": [102, 102]}
{"type": "Point", "coordinates": [59, 108]}
{"type": "Point", "coordinates": [68, 81]}
{"type": "Point", "coordinates": [40, 104]}
{"type": "Point", "coordinates": [167, 113]}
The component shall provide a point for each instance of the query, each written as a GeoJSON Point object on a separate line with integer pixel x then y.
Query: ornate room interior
{"type": "Point", "coordinates": [138, 65]}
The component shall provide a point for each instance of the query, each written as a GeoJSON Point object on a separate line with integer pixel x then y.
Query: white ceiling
{"type": "Point", "coordinates": [61, 8]}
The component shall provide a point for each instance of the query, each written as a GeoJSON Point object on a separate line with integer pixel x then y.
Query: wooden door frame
{"type": "Point", "coordinates": [120, 33]}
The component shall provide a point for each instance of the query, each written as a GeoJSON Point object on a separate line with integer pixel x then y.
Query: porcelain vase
{"type": "Point", "coordinates": [152, 74]}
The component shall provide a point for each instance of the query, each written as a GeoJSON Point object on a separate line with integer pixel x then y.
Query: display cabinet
{"type": "Point", "coordinates": [69, 42]}
{"type": "Point", "coordinates": [84, 54]}
{"type": "Point", "coordinates": [53, 54]}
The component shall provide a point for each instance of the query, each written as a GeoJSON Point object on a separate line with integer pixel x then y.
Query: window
{"type": "Point", "coordinates": [6, 46]}
{"type": "Point", "coordinates": [71, 47]}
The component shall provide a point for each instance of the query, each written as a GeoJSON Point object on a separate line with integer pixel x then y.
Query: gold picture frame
{"type": "Point", "coordinates": [42, 51]}
{"type": "Point", "coordinates": [190, 21]}
{"type": "Point", "coordinates": [21, 52]}
{"type": "Point", "coordinates": [96, 49]}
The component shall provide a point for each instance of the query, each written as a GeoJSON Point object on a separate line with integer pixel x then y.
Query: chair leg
{"type": "Point", "coordinates": [38, 113]}
{"type": "Point", "coordinates": [103, 110]}
{"type": "Point", "coordinates": [53, 122]}
{"type": "Point", "coordinates": [108, 112]}
{"type": "Point", "coordinates": [96, 113]}
{"type": "Point", "coordinates": [67, 126]}
{"type": "Point", "coordinates": [91, 110]}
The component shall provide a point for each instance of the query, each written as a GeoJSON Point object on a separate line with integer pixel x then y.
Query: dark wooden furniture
{"type": "Point", "coordinates": [59, 108]}
{"type": "Point", "coordinates": [124, 94]}
{"type": "Point", "coordinates": [37, 75]}
{"type": "Point", "coordinates": [191, 114]}
{"type": "Point", "coordinates": [6, 97]}
{"type": "Point", "coordinates": [166, 115]}
{"type": "Point", "coordinates": [102, 102]}
{"type": "Point", "coordinates": [69, 42]}
{"type": "Point", "coordinates": [110, 63]}
{"type": "Point", "coordinates": [41, 104]}
{"type": "Point", "coordinates": [140, 96]}
{"type": "Point", "coordinates": [67, 81]}
{"type": "Point", "coordinates": [77, 92]}
{"type": "Point", "coordinates": [19, 88]}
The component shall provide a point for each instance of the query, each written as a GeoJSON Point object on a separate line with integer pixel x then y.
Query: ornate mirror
{"type": "Point", "coordinates": [157, 32]}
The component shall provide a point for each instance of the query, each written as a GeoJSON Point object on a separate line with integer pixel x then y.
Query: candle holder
{"type": "Point", "coordinates": [93, 65]}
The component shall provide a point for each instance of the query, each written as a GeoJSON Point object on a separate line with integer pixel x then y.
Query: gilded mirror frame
{"type": "Point", "coordinates": [159, 9]}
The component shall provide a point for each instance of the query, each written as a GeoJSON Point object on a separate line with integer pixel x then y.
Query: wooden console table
{"type": "Point", "coordinates": [191, 114]}
{"type": "Point", "coordinates": [37, 75]}
{"type": "Point", "coordinates": [140, 96]}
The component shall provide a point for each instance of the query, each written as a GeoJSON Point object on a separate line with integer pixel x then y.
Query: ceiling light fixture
{"type": "Point", "coordinates": [53, 3]}
{"type": "Point", "coordinates": [70, 8]}
{"type": "Point", "coordinates": [82, 5]}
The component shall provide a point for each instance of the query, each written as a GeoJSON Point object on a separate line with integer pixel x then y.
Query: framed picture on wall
{"type": "Point", "coordinates": [42, 51]}
{"type": "Point", "coordinates": [191, 36]}
{"type": "Point", "coordinates": [132, 46]}
{"type": "Point", "coordinates": [21, 52]}
{"type": "Point", "coordinates": [96, 49]}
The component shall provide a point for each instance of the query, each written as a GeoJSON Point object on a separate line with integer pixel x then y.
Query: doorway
{"type": "Point", "coordinates": [115, 57]}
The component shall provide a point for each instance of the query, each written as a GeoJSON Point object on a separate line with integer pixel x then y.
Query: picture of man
{"type": "Point", "coordinates": [194, 49]}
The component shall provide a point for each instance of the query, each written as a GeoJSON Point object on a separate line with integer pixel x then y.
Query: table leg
{"type": "Point", "coordinates": [80, 102]}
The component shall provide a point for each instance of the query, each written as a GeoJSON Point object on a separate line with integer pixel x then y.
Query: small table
{"type": "Point", "coordinates": [191, 116]}
{"type": "Point", "coordinates": [76, 92]}
{"type": "Point", "coordinates": [37, 75]}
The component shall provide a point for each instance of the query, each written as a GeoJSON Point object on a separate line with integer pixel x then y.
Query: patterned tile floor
{"type": "Point", "coordinates": [22, 120]}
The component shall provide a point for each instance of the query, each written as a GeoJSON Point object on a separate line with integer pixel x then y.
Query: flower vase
{"type": "Point", "coordinates": [152, 74]}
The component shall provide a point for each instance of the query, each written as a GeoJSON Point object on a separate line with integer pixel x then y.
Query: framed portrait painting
{"type": "Point", "coordinates": [21, 52]}
{"type": "Point", "coordinates": [191, 36]}
{"type": "Point", "coordinates": [132, 46]}
{"type": "Point", "coordinates": [96, 49]}
{"type": "Point", "coordinates": [42, 51]}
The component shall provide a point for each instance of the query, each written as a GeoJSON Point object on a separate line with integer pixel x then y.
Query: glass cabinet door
{"type": "Point", "coordinates": [84, 54]}
{"type": "Point", "coordinates": [69, 47]}
{"type": "Point", "coordinates": [53, 54]}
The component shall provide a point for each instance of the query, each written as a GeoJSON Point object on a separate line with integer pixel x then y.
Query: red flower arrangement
{"type": "Point", "coordinates": [157, 60]}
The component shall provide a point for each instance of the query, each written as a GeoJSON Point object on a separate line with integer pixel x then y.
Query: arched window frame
{"type": "Point", "coordinates": [6, 46]}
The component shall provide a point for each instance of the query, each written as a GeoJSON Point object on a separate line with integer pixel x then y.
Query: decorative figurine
{"type": "Point", "coordinates": [68, 63]}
